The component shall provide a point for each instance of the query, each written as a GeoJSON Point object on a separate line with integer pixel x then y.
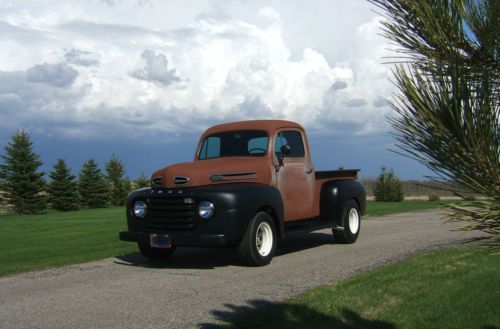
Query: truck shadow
{"type": "Point", "coordinates": [185, 258]}
{"type": "Point", "coordinates": [211, 258]}
{"type": "Point", "coordinates": [265, 314]}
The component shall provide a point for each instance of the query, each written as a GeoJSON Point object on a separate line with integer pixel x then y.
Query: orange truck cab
{"type": "Point", "coordinates": [251, 183]}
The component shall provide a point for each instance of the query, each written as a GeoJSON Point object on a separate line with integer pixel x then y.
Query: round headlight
{"type": "Point", "coordinates": [139, 209]}
{"type": "Point", "coordinates": [206, 209]}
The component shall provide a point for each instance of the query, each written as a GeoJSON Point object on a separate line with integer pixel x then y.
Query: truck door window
{"type": "Point", "coordinates": [294, 140]}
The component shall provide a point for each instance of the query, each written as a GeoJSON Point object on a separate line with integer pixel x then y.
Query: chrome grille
{"type": "Point", "coordinates": [170, 214]}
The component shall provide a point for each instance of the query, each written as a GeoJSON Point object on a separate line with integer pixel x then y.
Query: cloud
{"type": "Point", "coordinates": [81, 57]}
{"type": "Point", "coordinates": [338, 85]}
{"type": "Point", "coordinates": [381, 102]}
{"type": "Point", "coordinates": [355, 102]}
{"type": "Point", "coordinates": [219, 66]}
{"type": "Point", "coordinates": [155, 69]}
{"type": "Point", "coordinates": [58, 75]}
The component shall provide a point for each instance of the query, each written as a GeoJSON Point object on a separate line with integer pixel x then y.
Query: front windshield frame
{"type": "Point", "coordinates": [215, 145]}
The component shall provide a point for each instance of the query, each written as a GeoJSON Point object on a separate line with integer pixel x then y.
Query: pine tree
{"type": "Point", "coordinates": [117, 183]}
{"type": "Point", "coordinates": [448, 103]}
{"type": "Point", "coordinates": [388, 187]}
{"type": "Point", "coordinates": [62, 188]}
{"type": "Point", "coordinates": [92, 187]}
{"type": "Point", "coordinates": [141, 182]}
{"type": "Point", "coordinates": [20, 180]}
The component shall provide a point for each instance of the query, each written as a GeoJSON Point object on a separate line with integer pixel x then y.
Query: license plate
{"type": "Point", "coordinates": [160, 240]}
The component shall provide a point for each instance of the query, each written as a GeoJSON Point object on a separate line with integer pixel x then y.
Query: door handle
{"type": "Point", "coordinates": [308, 171]}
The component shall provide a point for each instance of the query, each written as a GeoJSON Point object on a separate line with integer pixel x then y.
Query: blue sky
{"type": "Point", "coordinates": [144, 78]}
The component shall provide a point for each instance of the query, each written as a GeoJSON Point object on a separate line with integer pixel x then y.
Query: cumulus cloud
{"type": "Point", "coordinates": [58, 75]}
{"type": "Point", "coordinates": [338, 85]}
{"type": "Point", "coordinates": [212, 68]}
{"type": "Point", "coordinates": [81, 57]}
{"type": "Point", "coordinates": [155, 69]}
{"type": "Point", "coordinates": [380, 102]}
{"type": "Point", "coordinates": [355, 102]}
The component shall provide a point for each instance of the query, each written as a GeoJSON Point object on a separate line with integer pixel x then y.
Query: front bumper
{"type": "Point", "coordinates": [180, 239]}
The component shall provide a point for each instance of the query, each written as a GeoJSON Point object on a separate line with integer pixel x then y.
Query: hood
{"type": "Point", "coordinates": [213, 171]}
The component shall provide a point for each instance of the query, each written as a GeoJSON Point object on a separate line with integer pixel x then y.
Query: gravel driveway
{"type": "Point", "coordinates": [202, 287]}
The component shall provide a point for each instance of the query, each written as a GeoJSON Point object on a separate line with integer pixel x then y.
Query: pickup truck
{"type": "Point", "coordinates": [251, 184]}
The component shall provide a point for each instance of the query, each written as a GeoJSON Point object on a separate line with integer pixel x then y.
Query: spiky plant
{"type": "Point", "coordinates": [448, 106]}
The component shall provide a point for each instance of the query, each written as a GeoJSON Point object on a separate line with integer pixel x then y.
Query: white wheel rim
{"type": "Point", "coordinates": [353, 221]}
{"type": "Point", "coordinates": [264, 239]}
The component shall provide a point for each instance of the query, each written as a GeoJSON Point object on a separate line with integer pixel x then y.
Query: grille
{"type": "Point", "coordinates": [170, 214]}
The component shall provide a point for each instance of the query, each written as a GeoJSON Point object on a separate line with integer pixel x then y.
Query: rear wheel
{"type": "Point", "coordinates": [155, 254]}
{"type": "Point", "coordinates": [259, 242]}
{"type": "Point", "coordinates": [351, 223]}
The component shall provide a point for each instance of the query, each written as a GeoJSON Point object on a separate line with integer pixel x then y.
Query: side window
{"type": "Point", "coordinates": [294, 140]}
{"type": "Point", "coordinates": [210, 148]}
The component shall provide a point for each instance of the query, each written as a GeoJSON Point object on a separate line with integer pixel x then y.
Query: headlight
{"type": "Point", "coordinates": [206, 209]}
{"type": "Point", "coordinates": [139, 209]}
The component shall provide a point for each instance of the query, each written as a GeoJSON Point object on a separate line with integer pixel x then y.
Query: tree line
{"type": "Point", "coordinates": [24, 189]}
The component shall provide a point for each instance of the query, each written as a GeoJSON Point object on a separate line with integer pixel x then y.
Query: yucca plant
{"type": "Point", "coordinates": [448, 107]}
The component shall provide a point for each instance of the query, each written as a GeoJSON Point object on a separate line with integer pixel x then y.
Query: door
{"type": "Point", "coordinates": [295, 177]}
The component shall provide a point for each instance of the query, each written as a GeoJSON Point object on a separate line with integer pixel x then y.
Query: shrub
{"type": "Point", "coordinates": [388, 187]}
{"type": "Point", "coordinates": [434, 197]}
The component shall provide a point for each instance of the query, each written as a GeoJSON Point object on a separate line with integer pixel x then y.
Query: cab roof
{"type": "Point", "coordinates": [268, 125]}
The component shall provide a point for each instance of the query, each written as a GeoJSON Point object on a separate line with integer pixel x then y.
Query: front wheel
{"type": "Point", "coordinates": [155, 254]}
{"type": "Point", "coordinates": [259, 242]}
{"type": "Point", "coordinates": [351, 224]}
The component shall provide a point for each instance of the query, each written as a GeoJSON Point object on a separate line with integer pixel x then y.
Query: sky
{"type": "Point", "coordinates": [144, 78]}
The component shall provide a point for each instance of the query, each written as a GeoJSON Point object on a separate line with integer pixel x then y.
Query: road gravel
{"type": "Point", "coordinates": [200, 288]}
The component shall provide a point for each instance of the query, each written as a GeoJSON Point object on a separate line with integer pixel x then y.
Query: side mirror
{"type": "Point", "coordinates": [285, 150]}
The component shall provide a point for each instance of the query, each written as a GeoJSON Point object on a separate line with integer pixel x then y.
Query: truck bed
{"type": "Point", "coordinates": [337, 174]}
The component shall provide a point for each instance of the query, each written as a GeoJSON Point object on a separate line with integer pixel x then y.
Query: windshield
{"type": "Point", "coordinates": [234, 143]}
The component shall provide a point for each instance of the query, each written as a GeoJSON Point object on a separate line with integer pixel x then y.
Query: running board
{"type": "Point", "coordinates": [310, 227]}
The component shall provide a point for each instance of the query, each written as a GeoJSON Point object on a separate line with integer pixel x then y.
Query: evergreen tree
{"type": "Point", "coordinates": [142, 181]}
{"type": "Point", "coordinates": [62, 188]}
{"type": "Point", "coordinates": [92, 187]}
{"type": "Point", "coordinates": [127, 186]}
{"type": "Point", "coordinates": [117, 183]}
{"type": "Point", "coordinates": [388, 187]}
{"type": "Point", "coordinates": [20, 180]}
{"type": "Point", "coordinates": [448, 104]}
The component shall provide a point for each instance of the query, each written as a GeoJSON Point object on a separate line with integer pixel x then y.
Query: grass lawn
{"type": "Point", "coordinates": [451, 288]}
{"type": "Point", "coordinates": [33, 242]}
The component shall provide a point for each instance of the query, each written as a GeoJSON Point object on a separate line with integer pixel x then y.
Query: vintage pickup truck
{"type": "Point", "coordinates": [251, 183]}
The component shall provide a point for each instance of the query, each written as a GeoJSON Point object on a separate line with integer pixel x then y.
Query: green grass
{"type": "Point", "coordinates": [32, 242]}
{"type": "Point", "coordinates": [451, 288]}
{"type": "Point", "coordinates": [374, 208]}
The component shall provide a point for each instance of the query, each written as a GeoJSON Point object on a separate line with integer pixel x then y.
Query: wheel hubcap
{"type": "Point", "coordinates": [264, 239]}
{"type": "Point", "coordinates": [353, 221]}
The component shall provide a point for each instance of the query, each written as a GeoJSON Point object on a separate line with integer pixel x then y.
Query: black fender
{"type": "Point", "coordinates": [235, 205]}
{"type": "Point", "coordinates": [335, 194]}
